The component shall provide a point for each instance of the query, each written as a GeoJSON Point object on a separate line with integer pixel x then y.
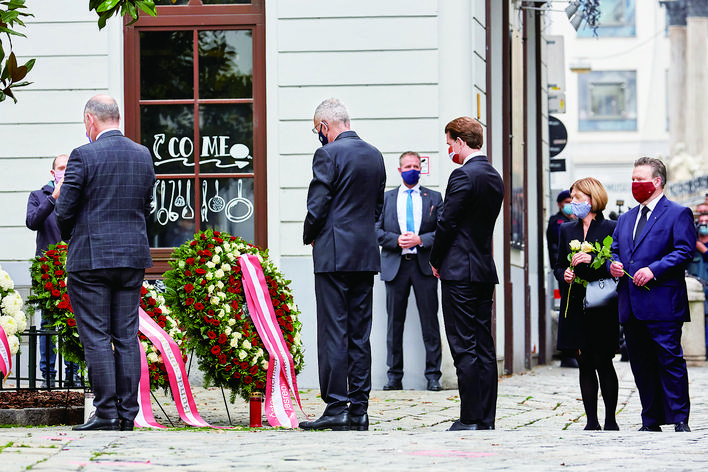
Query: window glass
{"type": "Point", "coordinates": [226, 143]}
{"type": "Point", "coordinates": [228, 205]}
{"type": "Point", "coordinates": [168, 131]}
{"type": "Point", "coordinates": [607, 101]}
{"type": "Point", "coordinates": [617, 19]}
{"type": "Point", "coordinates": [172, 219]}
{"type": "Point", "coordinates": [225, 64]}
{"type": "Point", "coordinates": [166, 65]}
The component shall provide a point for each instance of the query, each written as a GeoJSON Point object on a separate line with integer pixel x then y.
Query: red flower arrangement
{"type": "Point", "coordinates": [206, 295]}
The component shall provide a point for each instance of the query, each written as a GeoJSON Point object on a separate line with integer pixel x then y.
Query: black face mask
{"type": "Point", "coordinates": [323, 137]}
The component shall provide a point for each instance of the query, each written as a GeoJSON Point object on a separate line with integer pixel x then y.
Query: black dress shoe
{"type": "Point", "coordinates": [126, 425]}
{"type": "Point", "coordinates": [359, 423]}
{"type": "Point", "coordinates": [611, 426]}
{"type": "Point", "coordinates": [593, 427]}
{"type": "Point", "coordinates": [656, 429]}
{"type": "Point", "coordinates": [434, 386]}
{"type": "Point", "coordinates": [96, 423]}
{"type": "Point", "coordinates": [338, 422]}
{"type": "Point", "coordinates": [460, 426]}
{"type": "Point", "coordinates": [393, 386]}
{"type": "Point", "coordinates": [682, 427]}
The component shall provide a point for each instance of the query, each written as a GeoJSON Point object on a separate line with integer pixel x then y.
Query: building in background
{"type": "Point", "coordinates": [223, 93]}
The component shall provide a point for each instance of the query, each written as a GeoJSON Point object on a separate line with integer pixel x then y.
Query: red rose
{"type": "Point", "coordinates": [253, 370]}
{"type": "Point", "coordinates": [259, 384]}
{"type": "Point", "coordinates": [56, 293]}
{"type": "Point", "coordinates": [143, 291]}
{"type": "Point", "coordinates": [199, 306]}
{"type": "Point", "coordinates": [248, 379]}
{"type": "Point", "coordinates": [286, 308]}
{"type": "Point", "coordinates": [193, 243]}
{"type": "Point", "coordinates": [203, 282]}
{"type": "Point", "coordinates": [279, 312]}
{"type": "Point", "coordinates": [188, 288]}
{"type": "Point", "coordinates": [42, 259]}
{"type": "Point", "coordinates": [158, 310]}
{"type": "Point", "coordinates": [203, 236]}
{"type": "Point", "coordinates": [289, 327]}
{"type": "Point", "coordinates": [211, 334]}
{"type": "Point", "coordinates": [289, 338]}
{"type": "Point", "coordinates": [210, 245]}
{"type": "Point", "coordinates": [61, 246]}
{"type": "Point", "coordinates": [45, 276]}
{"type": "Point", "coordinates": [162, 324]}
{"type": "Point", "coordinates": [202, 260]}
{"type": "Point", "coordinates": [232, 238]}
{"type": "Point", "coordinates": [237, 375]}
{"type": "Point", "coordinates": [152, 302]}
{"type": "Point", "coordinates": [216, 350]}
{"type": "Point", "coordinates": [216, 322]}
{"type": "Point", "coordinates": [71, 322]}
{"type": "Point", "coordinates": [222, 338]}
{"type": "Point", "coordinates": [207, 252]}
{"type": "Point", "coordinates": [49, 286]}
{"type": "Point", "coordinates": [210, 312]}
{"type": "Point", "coordinates": [62, 284]}
{"type": "Point", "coordinates": [244, 365]}
{"type": "Point", "coordinates": [58, 273]}
{"type": "Point", "coordinates": [57, 262]}
{"type": "Point", "coordinates": [273, 293]}
{"type": "Point", "coordinates": [219, 240]}
{"type": "Point", "coordinates": [283, 296]}
{"type": "Point", "coordinates": [227, 368]}
{"type": "Point", "coordinates": [189, 301]}
{"type": "Point", "coordinates": [222, 359]}
{"type": "Point", "coordinates": [190, 261]}
{"type": "Point", "coordinates": [45, 266]}
{"type": "Point", "coordinates": [200, 271]}
{"type": "Point", "coordinates": [187, 273]}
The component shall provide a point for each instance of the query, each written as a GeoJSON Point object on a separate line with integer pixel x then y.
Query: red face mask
{"type": "Point", "coordinates": [641, 191]}
{"type": "Point", "coordinates": [454, 157]}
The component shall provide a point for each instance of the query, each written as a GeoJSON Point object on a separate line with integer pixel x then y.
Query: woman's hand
{"type": "Point", "coordinates": [569, 275]}
{"type": "Point", "coordinates": [580, 258]}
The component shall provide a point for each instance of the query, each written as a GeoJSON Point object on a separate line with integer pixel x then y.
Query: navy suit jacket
{"type": "Point", "coordinates": [104, 202]}
{"type": "Point", "coordinates": [388, 230]}
{"type": "Point", "coordinates": [42, 219]}
{"type": "Point", "coordinates": [666, 246]}
{"type": "Point", "coordinates": [343, 204]}
{"type": "Point", "coordinates": [462, 250]}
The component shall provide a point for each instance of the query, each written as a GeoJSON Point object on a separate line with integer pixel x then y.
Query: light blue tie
{"type": "Point", "coordinates": [410, 223]}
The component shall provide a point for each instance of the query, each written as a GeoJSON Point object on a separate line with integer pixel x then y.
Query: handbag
{"type": "Point", "coordinates": [600, 293]}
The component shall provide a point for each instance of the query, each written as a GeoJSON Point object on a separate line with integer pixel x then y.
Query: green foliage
{"type": "Point", "coordinates": [11, 74]}
{"type": "Point", "coordinates": [105, 9]}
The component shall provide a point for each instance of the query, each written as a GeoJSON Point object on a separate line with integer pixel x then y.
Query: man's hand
{"type": "Point", "coordinates": [408, 240]}
{"type": "Point", "coordinates": [616, 269]}
{"type": "Point", "coordinates": [643, 276]}
{"type": "Point", "coordinates": [435, 272]}
{"type": "Point", "coordinates": [701, 247]}
{"type": "Point", "coordinates": [57, 189]}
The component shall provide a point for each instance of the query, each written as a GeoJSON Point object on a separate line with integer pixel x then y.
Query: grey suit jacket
{"type": "Point", "coordinates": [104, 202]}
{"type": "Point", "coordinates": [388, 231]}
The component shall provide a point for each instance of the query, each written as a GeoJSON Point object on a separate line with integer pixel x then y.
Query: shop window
{"type": "Point", "coordinates": [617, 19]}
{"type": "Point", "coordinates": [195, 87]}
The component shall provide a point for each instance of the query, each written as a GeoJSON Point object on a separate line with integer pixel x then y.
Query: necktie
{"type": "Point", "coordinates": [410, 223]}
{"type": "Point", "coordinates": [640, 224]}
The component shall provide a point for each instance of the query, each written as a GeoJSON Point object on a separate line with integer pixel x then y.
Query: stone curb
{"type": "Point", "coordinates": [42, 416]}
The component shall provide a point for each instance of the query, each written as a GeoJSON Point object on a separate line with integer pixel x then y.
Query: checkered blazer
{"type": "Point", "coordinates": [104, 202]}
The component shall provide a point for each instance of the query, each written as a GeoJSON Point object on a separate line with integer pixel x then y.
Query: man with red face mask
{"type": "Point", "coordinates": [654, 243]}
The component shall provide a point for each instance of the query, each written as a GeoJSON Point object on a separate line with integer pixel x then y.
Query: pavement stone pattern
{"type": "Point", "coordinates": [540, 421]}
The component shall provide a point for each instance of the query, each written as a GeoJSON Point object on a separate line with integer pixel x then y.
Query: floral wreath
{"type": "Point", "coordinates": [206, 294]}
{"type": "Point", "coordinates": [12, 319]}
{"type": "Point", "coordinates": [49, 294]}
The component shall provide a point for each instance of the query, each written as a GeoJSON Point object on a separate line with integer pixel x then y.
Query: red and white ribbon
{"type": "Point", "coordinates": [176, 372]}
{"type": "Point", "coordinates": [145, 418]}
{"type": "Point", "coordinates": [281, 379]}
{"type": "Point", "coordinates": [5, 354]}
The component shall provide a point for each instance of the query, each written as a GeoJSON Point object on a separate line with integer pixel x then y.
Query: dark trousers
{"type": "Point", "coordinates": [343, 349]}
{"type": "Point", "coordinates": [656, 357]}
{"type": "Point", "coordinates": [425, 288]}
{"type": "Point", "coordinates": [106, 302]}
{"type": "Point", "coordinates": [467, 311]}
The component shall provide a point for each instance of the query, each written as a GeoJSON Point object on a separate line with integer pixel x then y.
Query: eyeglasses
{"type": "Point", "coordinates": [315, 130]}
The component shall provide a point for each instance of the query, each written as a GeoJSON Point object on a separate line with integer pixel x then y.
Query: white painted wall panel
{"type": "Point", "coordinates": [389, 136]}
{"type": "Point", "coordinates": [295, 171]}
{"type": "Point", "coordinates": [23, 174]}
{"type": "Point", "coordinates": [360, 8]}
{"type": "Point", "coordinates": [358, 34]}
{"type": "Point", "coordinates": [373, 101]}
{"type": "Point", "coordinates": [17, 244]}
{"type": "Point", "coordinates": [41, 139]}
{"type": "Point", "coordinates": [47, 107]}
{"type": "Point", "coordinates": [293, 205]}
{"type": "Point", "coordinates": [14, 207]}
{"type": "Point", "coordinates": [54, 11]}
{"type": "Point", "coordinates": [291, 240]}
{"type": "Point", "coordinates": [362, 68]}
{"type": "Point", "coordinates": [65, 39]}
{"type": "Point", "coordinates": [68, 73]}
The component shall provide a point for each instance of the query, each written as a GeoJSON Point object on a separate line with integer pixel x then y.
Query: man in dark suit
{"type": "Point", "coordinates": [105, 199]}
{"type": "Point", "coordinates": [343, 203]}
{"type": "Point", "coordinates": [462, 259]}
{"type": "Point", "coordinates": [405, 231]}
{"type": "Point", "coordinates": [42, 219]}
{"type": "Point", "coordinates": [654, 243]}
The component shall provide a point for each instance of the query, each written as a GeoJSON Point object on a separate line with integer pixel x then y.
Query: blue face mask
{"type": "Point", "coordinates": [411, 177]}
{"type": "Point", "coordinates": [568, 209]}
{"type": "Point", "coordinates": [581, 209]}
{"type": "Point", "coordinates": [703, 229]}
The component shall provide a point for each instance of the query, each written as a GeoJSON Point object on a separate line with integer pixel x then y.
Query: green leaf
{"type": "Point", "coordinates": [107, 5]}
{"type": "Point", "coordinates": [607, 241]}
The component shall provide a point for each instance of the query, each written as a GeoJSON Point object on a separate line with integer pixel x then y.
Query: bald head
{"type": "Point", "coordinates": [100, 113]}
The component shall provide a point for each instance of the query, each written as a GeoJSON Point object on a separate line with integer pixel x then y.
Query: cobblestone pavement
{"type": "Point", "coordinates": [540, 423]}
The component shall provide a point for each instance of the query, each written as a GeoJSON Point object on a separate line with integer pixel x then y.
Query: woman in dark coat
{"type": "Point", "coordinates": [592, 334]}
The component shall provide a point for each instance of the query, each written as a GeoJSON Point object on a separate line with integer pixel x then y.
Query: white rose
{"type": "Point", "coordinates": [14, 344]}
{"type": "Point", "coordinates": [219, 273]}
{"type": "Point", "coordinates": [209, 276]}
{"type": "Point", "coordinates": [242, 355]}
{"type": "Point", "coordinates": [574, 245]}
{"type": "Point", "coordinates": [227, 308]}
{"type": "Point", "coordinates": [230, 256]}
{"type": "Point", "coordinates": [225, 267]}
{"type": "Point", "coordinates": [233, 343]}
{"type": "Point", "coordinates": [264, 365]}
{"type": "Point", "coordinates": [220, 284]}
{"type": "Point", "coordinates": [221, 295]}
{"type": "Point", "coordinates": [6, 282]}
{"type": "Point", "coordinates": [216, 259]}
{"type": "Point", "coordinates": [9, 324]}
{"type": "Point", "coordinates": [218, 249]}
{"type": "Point", "coordinates": [236, 253]}
{"type": "Point", "coordinates": [237, 335]}
{"type": "Point", "coordinates": [21, 321]}
{"type": "Point", "coordinates": [246, 344]}
{"type": "Point", "coordinates": [152, 357]}
{"type": "Point", "coordinates": [232, 322]}
{"type": "Point", "coordinates": [145, 345]}
{"type": "Point", "coordinates": [210, 265]}
{"type": "Point", "coordinates": [227, 246]}
{"type": "Point", "coordinates": [260, 352]}
{"type": "Point", "coordinates": [297, 338]}
{"type": "Point", "coordinates": [215, 300]}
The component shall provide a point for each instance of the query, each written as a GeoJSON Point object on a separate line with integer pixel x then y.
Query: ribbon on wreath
{"type": "Point", "coordinates": [176, 372]}
{"type": "Point", "coordinates": [5, 355]}
{"type": "Point", "coordinates": [281, 379]}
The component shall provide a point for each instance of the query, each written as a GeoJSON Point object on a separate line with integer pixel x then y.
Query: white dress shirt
{"type": "Point", "coordinates": [651, 205]}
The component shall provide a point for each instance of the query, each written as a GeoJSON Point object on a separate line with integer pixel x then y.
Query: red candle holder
{"type": "Point", "coordinates": [256, 408]}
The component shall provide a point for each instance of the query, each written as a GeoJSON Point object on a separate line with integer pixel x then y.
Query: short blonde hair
{"type": "Point", "coordinates": [593, 188]}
